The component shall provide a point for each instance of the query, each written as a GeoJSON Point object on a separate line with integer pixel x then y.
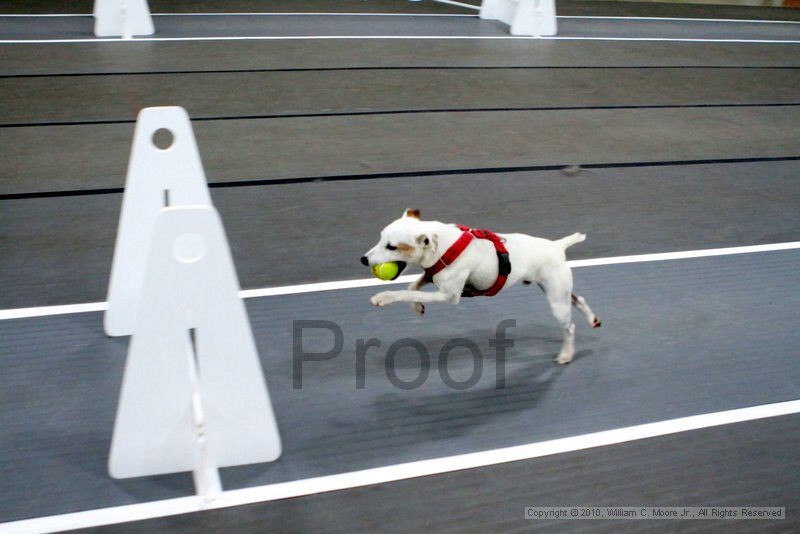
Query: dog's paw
{"type": "Point", "coordinates": [564, 359]}
{"type": "Point", "coordinates": [382, 299]}
{"type": "Point", "coordinates": [596, 323]}
{"type": "Point", "coordinates": [418, 307]}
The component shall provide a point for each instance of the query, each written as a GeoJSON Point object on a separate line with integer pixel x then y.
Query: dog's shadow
{"type": "Point", "coordinates": [442, 412]}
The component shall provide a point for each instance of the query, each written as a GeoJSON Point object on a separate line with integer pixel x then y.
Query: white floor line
{"type": "Point", "coordinates": [672, 40]}
{"type": "Point", "coordinates": [245, 14]}
{"type": "Point", "coordinates": [390, 37]}
{"type": "Point", "coordinates": [45, 311]}
{"type": "Point", "coordinates": [393, 473]}
{"type": "Point", "coordinates": [467, 6]}
{"type": "Point", "coordinates": [679, 19]}
{"type": "Point", "coordinates": [459, 4]}
{"type": "Point", "coordinates": [686, 254]}
{"type": "Point", "coordinates": [43, 15]}
{"type": "Point", "coordinates": [314, 15]}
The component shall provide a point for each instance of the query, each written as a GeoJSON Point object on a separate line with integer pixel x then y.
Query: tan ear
{"type": "Point", "coordinates": [411, 212]}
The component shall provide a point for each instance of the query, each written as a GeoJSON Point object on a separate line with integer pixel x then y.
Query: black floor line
{"type": "Point", "coordinates": [410, 112]}
{"type": "Point", "coordinates": [333, 69]}
{"type": "Point", "coordinates": [409, 174]}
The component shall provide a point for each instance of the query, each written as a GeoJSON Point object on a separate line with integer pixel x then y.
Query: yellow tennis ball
{"type": "Point", "coordinates": [386, 271]}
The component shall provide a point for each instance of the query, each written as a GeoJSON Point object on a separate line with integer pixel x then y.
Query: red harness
{"type": "Point", "coordinates": [450, 255]}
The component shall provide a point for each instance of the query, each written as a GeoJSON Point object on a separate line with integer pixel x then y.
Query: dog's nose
{"type": "Point", "coordinates": [364, 260]}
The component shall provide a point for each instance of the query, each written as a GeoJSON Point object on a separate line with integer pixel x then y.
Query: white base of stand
{"type": "Point", "coordinates": [193, 396]}
{"type": "Point", "coordinates": [206, 474]}
{"type": "Point", "coordinates": [122, 18]}
{"type": "Point", "coordinates": [525, 17]}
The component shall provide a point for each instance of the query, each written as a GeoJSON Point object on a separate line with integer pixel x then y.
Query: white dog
{"type": "Point", "coordinates": [460, 265]}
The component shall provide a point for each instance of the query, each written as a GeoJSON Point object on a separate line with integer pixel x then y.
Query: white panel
{"type": "Point", "coordinates": [190, 283]}
{"type": "Point", "coordinates": [525, 17]}
{"type": "Point", "coordinates": [502, 10]}
{"type": "Point", "coordinates": [152, 171]}
{"type": "Point", "coordinates": [535, 17]}
{"type": "Point", "coordinates": [122, 18]}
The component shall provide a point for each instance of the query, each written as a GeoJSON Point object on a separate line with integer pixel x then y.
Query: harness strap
{"type": "Point", "coordinates": [450, 255]}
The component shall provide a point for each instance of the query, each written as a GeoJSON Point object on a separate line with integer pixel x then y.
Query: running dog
{"type": "Point", "coordinates": [463, 262]}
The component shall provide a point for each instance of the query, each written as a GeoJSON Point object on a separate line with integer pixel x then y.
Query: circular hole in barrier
{"type": "Point", "coordinates": [163, 139]}
{"type": "Point", "coordinates": [189, 248]}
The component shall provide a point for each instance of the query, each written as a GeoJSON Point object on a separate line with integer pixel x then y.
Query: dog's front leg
{"type": "Point", "coordinates": [385, 298]}
{"type": "Point", "coordinates": [414, 286]}
{"type": "Point", "coordinates": [449, 291]}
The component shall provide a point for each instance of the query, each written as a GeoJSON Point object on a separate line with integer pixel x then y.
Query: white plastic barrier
{"type": "Point", "coordinates": [122, 18]}
{"type": "Point", "coordinates": [156, 178]}
{"type": "Point", "coordinates": [193, 396]}
{"type": "Point", "coordinates": [526, 17]}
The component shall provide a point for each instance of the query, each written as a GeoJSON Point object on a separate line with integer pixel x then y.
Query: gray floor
{"type": "Point", "coordinates": [564, 7]}
{"type": "Point", "coordinates": [678, 338]}
{"type": "Point", "coordinates": [60, 249]}
{"type": "Point", "coordinates": [63, 100]}
{"type": "Point", "coordinates": [185, 26]}
{"type": "Point", "coordinates": [110, 58]}
{"type": "Point", "coordinates": [741, 464]}
{"type": "Point", "coordinates": [664, 29]}
{"type": "Point", "coordinates": [687, 146]}
{"type": "Point", "coordinates": [254, 6]}
{"type": "Point", "coordinates": [95, 156]}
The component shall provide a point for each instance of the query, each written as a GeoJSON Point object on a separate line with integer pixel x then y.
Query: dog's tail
{"type": "Point", "coordinates": [570, 240]}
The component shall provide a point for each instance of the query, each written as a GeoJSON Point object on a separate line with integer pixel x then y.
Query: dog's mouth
{"type": "Point", "coordinates": [401, 266]}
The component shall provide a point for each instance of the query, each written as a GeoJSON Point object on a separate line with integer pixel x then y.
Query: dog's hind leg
{"type": "Point", "coordinates": [560, 306]}
{"type": "Point", "coordinates": [580, 303]}
{"type": "Point", "coordinates": [557, 285]}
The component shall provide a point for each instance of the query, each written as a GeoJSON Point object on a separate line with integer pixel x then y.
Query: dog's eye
{"type": "Point", "coordinates": [391, 247]}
